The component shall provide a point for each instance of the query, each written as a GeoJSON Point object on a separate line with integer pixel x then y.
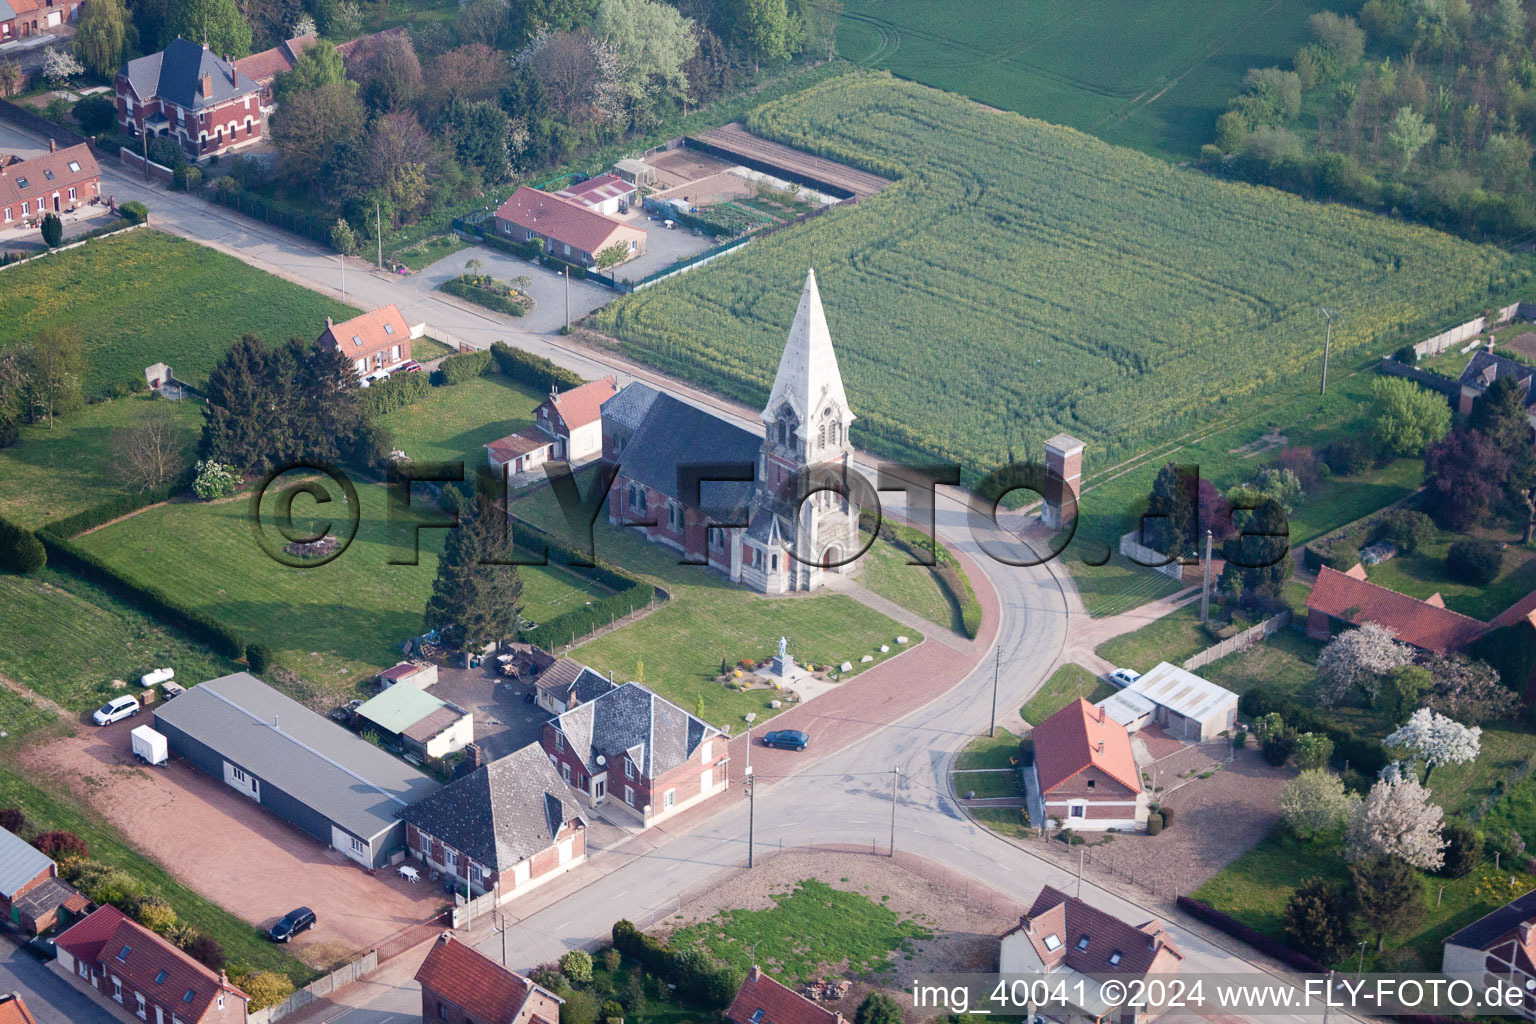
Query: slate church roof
{"type": "Point", "coordinates": [671, 435]}
{"type": "Point", "coordinates": [504, 813]}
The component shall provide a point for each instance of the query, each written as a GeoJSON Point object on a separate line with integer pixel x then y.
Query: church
{"type": "Point", "coordinates": [682, 469]}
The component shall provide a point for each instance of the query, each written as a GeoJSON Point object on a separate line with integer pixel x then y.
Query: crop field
{"type": "Point", "coordinates": [1153, 76]}
{"type": "Point", "coordinates": [1022, 279]}
{"type": "Point", "coordinates": [145, 297]}
{"type": "Point", "coordinates": [333, 624]}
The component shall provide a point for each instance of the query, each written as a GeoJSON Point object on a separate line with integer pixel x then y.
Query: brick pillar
{"type": "Point", "coordinates": [1063, 476]}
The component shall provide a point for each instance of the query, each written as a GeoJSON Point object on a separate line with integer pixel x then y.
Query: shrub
{"type": "Point", "coordinates": [1279, 745]}
{"type": "Point", "coordinates": [206, 950]}
{"type": "Point", "coordinates": [187, 177]}
{"type": "Point", "coordinates": [62, 845]}
{"type": "Point", "coordinates": [20, 550]}
{"type": "Point", "coordinates": [214, 480]}
{"type": "Point", "coordinates": [108, 885]}
{"type": "Point", "coordinates": [612, 1010]}
{"type": "Point", "coordinates": [266, 989]}
{"type": "Point", "coordinates": [577, 966]}
{"type": "Point", "coordinates": [1463, 848]}
{"type": "Point", "coordinates": [580, 1007]}
{"type": "Point", "coordinates": [153, 913]}
{"type": "Point", "coordinates": [612, 958]}
{"type": "Point", "coordinates": [96, 114]}
{"type": "Point", "coordinates": [1313, 750]}
{"type": "Point", "coordinates": [1406, 529]}
{"type": "Point", "coordinates": [878, 1008]}
{"type": "Point", "coordinates": [134, 212]}
{"type": "Point", "coordinates": [1406, 354]}
{"type": "Point", "coordinates": [1349, 455]}
{"type": "Point", "coordinates": [258, 657]}
{"type": "Point", "coordinates": [399, 391]}
{"type": "Point", "coordinates": [1167, 813]}
{"type": "Point", "coordinates": [535, 371]}
{"type": "Point", "coordinates": [460, 368]}
{"type": "Point", "coordinates": [53, 230]}
{"type": "Point", "coordinates": [485, 291]}
{"type": "Point", "coordinates": [1475, 561]}
{"type": "Point", "coordinates": [1255, 938]}
{"type": "Point", "coordinates": [13, 820]}
{"type": "Point", "coordinates": [1154, 824]}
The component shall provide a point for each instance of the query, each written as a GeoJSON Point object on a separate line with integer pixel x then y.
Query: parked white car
{"type": "Point", "coordinates": [115, 710]}
{"type": "Point", "coordinates": [1123, 677]}
{"type": "Point", "coordinates": [375, 377]}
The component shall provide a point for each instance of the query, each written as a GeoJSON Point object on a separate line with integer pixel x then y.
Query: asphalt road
{"type": "Point", "coordinates": [51, 999]}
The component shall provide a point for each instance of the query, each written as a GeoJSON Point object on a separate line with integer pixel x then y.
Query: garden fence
{"type": "Point", "coordinates": [312, 228]}
{"type": "Point", "coordinates": [1150, 557]}
{"type": "Point", "coordinates": [136, 163]}
{"type": "Point", "coordinates": [1461, 332]}
{"type": "Point", "coordinates": [317, 989]}
{"type": "Point", "coordinates": [1247, 638]}
{"type": "Point", "coordinates": [99, 233]}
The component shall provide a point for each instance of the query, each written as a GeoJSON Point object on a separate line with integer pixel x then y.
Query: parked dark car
{"type": "Point", "coordinates": [291, 924]}
{"type": "Point", "coordinates": [786, 739]}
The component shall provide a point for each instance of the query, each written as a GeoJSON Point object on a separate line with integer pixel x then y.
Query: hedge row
{"type": "Point", "coordinates": [20, 550]}
{"type": "Point", "coordinates": [152, 600]}
{"type": "Point", "coordinates": [115, 508]}
{"type": "Point", "coordinates": [1364, 754]}
{"type": "Point", "coordinates": [399, 391]}
{"type": "Point", "coordinates": [691, 970]}
{"type": "Point", "coordinates": [629, 594]}
{"type": "Point", "coordinates": [483, 297]}
{"type": "Point", "coordinates": [462, 367]}
{"type": "Point", "coordinates": [1255, 938]}
{"type": "Point", "coordinates": [534, 371]}
{"type": "Point", "coordinates": [527, 250]}
{"type": "Point", "coordinates": [578, 272]}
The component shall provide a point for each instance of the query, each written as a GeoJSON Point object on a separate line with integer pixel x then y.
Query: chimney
{"type": "Point", "coordinates": [205, 86]}
{"type": "Point", "coordinates": [1101, 714]}
{"type": "Point", "coordinates": [53, 146]}
{"type": "Point", "coordinates": [1526, 930]}
{"type": "Point", "coordinates": [274, 721]}
{"type": "Point", "coordinates": [328, 324]}
{"type": "Point", "coordinates": [1490, 343]}
{"type": "Point", "coordinates": [837, 1017]}
{"type": "Point", "coordinates": [223, 978]}
{"type": "Point", "coordinates": [756, 974]}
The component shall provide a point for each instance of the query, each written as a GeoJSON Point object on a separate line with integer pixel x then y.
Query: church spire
{"type": "Point", "coordinates": [808, 378]}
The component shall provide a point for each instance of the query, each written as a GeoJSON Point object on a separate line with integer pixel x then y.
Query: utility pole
{"type": "Point", "coordinates": [1205, 583]}
{"type": "Point", "coordinates": [1328, 315]}
{"type": "Point", "coordinates": [343, 258]}
{"type": "Point", "coordinates": [751, 814]}
{"type": "Point", "coordinates": [499, 922]}
{"type": "Point", "coordinates": [895, 778]}
{"type": "Point", "coordinates": [1360, 967]}
{"type": "Point", "coordinates": [144, 134]}
{"type": "Point", "coordinates": [1080, 852]}
{"type": "Point", "coordinates": [378, 231]}
{"type": "Point", "coordinates": [997, 669]}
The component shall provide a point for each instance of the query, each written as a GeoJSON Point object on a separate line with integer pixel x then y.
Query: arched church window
{"type": "Point", "coordinates": [821, 436]}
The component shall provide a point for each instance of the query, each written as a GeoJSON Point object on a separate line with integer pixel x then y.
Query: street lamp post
{"type": "Point", "coordinates": [1360, 967]}
{"type": "Point", "coordinates": [499, 922]}
{"type": "Point", "coordinates": [751, 815]}
{"type": "Point", "coordinates": [997, 668]}
{"type": "Point", "coordinates": [895, 778]}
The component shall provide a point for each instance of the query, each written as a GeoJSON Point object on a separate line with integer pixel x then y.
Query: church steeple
{"type": "Point", "coordinates": [808, 397]}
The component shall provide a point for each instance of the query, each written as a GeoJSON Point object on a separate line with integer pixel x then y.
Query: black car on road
{"type": "Point", "coordinates": [291, 924]}
{"type": "Point", "coordinates": [786, 739]}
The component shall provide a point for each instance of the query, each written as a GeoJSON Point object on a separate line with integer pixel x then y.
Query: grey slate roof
{"type": "Point", "coordinates": [51, 895]}
{"type": "Point", "coordinates": [656, 734]}
{"type": "Point", "coordinates": [505, 812]}
{"type": "Point", "coordinates": [568, 678]}
{"type": "Point", "coordinates": [173, 74]}
{"type": "Point", "coordinates": [629, 406]}
{"type": "Point", "coordinates": [312, 759]}
{"type": "Point", "coordinates": [20, 862]}
{"type": "Point", "coordinates": [1485, 367]}
{"type": "Point", "coordinates": [1480, 934]}
{"type": "Point", "coordinates": [7, 12]}
{"type": "Point", "coordinates": [672, 434]}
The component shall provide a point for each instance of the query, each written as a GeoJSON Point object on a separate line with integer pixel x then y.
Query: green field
{"type": "Point", "coordinates": [1021, 279]}
{"type": "Point", "coordinates": [1066, 684]}
{"type": "Point", "coordinates": [1173, 637]}
{"type": "Point", "coordinates": [145, 297]}
{"type": "Point", "coordinates": [68, 640]}
{"type": "Point", "coordinates": [58, 472]}
{"type": "Point", "coordinates": [681, 644]}
{"type": "Point", "coordinates": [334, 624]}
{"type": "Point", "coordinates": [1153, 76]}
{"type": "Point", "coordinates": [853, 935]}
{"type": "Point", "coordinates": [456, 423]}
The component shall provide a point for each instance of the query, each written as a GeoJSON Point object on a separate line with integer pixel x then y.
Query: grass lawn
{"type": "Point", "coordinates": [1005, 821]}
{"type": "Point", "coordinates": [986, 752]}
{"type": "Point", "coordinates": [681, 644]}
{"type": "Point", "coordinates": [145, 297]}
{"type": "Point", "coordinates": [335, 624]}
{"type": "Point", "coordinates": [885, 570]}
{"type": "Point", "coordinates": [243, 943]}
{"type": "Point", "coordinates": [1283, 661]}
{"type": "Point", "coordinates": [424, 349]}
{"type": "Point", "coordinates": [454, 424]}
{"type": "Point", "coordinates": [1424, 573]}
{"type": "Point", "coordinates": [852, 935]}
{"type": "Point", "coordinates": [58, 472]}
{"type": "Point", "coordinates": [68, 640]}
{"type": "Point", "coordinates": [1173, 637]}
{"type": "Point", "coordinates": [424, 254]}
{"type": "Point", "coordinates": [1066, 684]}
{"type": "Point", "coordinates": [1117, 586]}
{"type": "Point", "coordinates": [1514, 811]}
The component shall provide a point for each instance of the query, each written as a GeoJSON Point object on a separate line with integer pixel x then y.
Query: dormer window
{"type": "Point", "coordinates": [356, 340]}
{"type": "Point", "coordinates": [21, 182]}
{"type": "Point", "coordinates": [1082, 943]}
{"type": "Point", "coordinates": [48, 173]}
{"type": "Point", "coordinates": [1114, 958]}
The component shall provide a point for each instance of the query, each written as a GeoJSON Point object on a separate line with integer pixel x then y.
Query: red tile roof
{"type": "Point", "coordinates": [262, 67]}
{"type": "Point", "coordinates": [521, 443]}
{"type": "Point", "coordinates": [1431, 628]}
{"type": "Point", "coordinates": [1078, 737]}
{"type": "Point", "coordinates": [582, 406]}
{"type": "Point", "coordinates": [474, 982]}
{"type": "Point", "coordinates": [154, 966]}
{"type": "Point", "coordinates": [14, 1011]}
{"type": "Point", "coordinates": [1522, 609]}
{"type": "Point", "coordinates": [364, 335]}
{"type": "Point", "coordinates": [1142, 949]}
{"type": "Point", "coordinates": [562, 220]}
{"type": "Point", "coordinates": [35, 173]}
{"type": "Point", "coordinates": [761, 1000]}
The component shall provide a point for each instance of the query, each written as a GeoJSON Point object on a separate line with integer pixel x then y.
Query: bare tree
{"type": "Point", "coordinates": [150, 453]}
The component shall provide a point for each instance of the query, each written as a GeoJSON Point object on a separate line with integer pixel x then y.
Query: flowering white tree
{"type": "Point", "coordinates": [303, 25]}
{"type": "Point", "coordinates": [1358, 659]}
{"type": "Point", "coordinates": [1316, 803]}
{"type": "Point", "coordinates": [1437, 739]}
{"type": "Point", "coordinates": [59, 66]}
{"type": "Point", "coordinates": [1396, 819]}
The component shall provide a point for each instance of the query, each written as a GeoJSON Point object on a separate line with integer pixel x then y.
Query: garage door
{"type": "Point", "coordinates": [352, 846]}
{"type": "Point", "coordinates": [242, 780]}
{"type": "Point", "coordinates": [56, 18]}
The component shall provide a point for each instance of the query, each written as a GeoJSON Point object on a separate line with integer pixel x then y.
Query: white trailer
{"type": "Point", "coordinates": [150, 746]}
{"type": "Point", "coordinates": [158, 676]}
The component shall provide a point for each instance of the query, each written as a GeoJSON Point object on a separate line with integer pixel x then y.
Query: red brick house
{"type": "Point", "coordinates": [761, 1000]}
{"type": "Point", "coordinates": [1084, 772]}
{"type": "Point", "coordinates": [1067, 940]}
{"type": "Point", "coordinates": [461, 985]}
{"type": "Point", "coordinates": [380, 340]}
{"type": "Point", "coordinates": [58, 181]}
{"type": "Point", "coordinates": [22, 18]}
{"type": "Point", "coordinates": [566, 228]}
{"type": "Point", "coordinates": [264, 67]}
{"type": "Point", "coordinates": [191, 95]}
{"type": "Point", "coordinates": [631, 749]}
{"type": "Point", "coordinates": [1349, 597]}
{"type": "Point", "coordinates": [115, 957]}
{"type": "Point", "coordinates": [575, 419]}
{"type": "Point", "coordinates": [506, 828]}
{"type": "Point", "coordinates": [14, 1011]}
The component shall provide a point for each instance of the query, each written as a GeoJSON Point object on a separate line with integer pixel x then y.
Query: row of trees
{"type": "Point", "coordinates": [41, 381]}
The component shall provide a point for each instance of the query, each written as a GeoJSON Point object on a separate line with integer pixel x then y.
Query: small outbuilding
{"type": "Point", "coordinates": [418, 722]}
{"type": "Point", "coordinates": [1187, 706]}
{"type": "Point", "coordinates": [637, 172]}
{"type": "Point", "coordinates": [420, 674]}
